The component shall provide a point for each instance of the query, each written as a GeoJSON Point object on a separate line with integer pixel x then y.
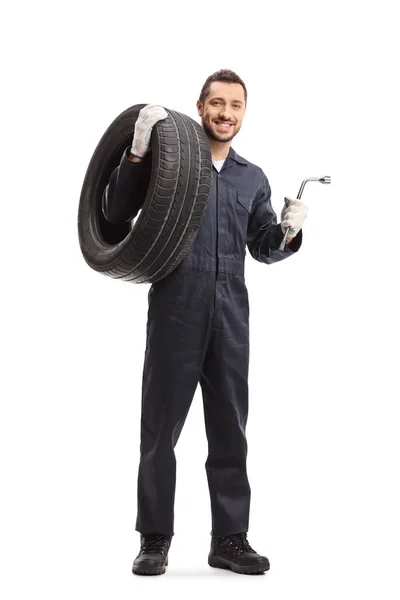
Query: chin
{"type": "Point", "coordinates": [218, 137]}
{"type": "Point", "coordinates": [223, 138]}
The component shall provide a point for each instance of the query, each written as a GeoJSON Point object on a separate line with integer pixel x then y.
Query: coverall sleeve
{"type": "Point", "coordinates": [264, 233]}
{"type": "Point", "coordinates": [126, 191]}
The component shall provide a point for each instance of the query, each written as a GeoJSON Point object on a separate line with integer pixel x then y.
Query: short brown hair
{"type": "Point", "coordinates": [224, 75]}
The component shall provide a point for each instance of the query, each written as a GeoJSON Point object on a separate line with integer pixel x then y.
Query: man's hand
{"type": "Point", "coordinates": [293, 215]}
{"type": "Point", "coordinates": [148, 117]}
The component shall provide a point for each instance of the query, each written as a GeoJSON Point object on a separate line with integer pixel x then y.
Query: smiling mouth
{"type": "Point", "coordinates": [223, 125]}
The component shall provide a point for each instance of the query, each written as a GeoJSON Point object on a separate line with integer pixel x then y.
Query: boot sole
{"type": "Point", "coordinates": [149, 573]}
{"type": "Point", "coordinates": [222, 563]}
{"type": "Point", "coordinates": [159, 571]}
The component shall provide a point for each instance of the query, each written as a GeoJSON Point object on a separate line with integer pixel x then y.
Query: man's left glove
{"type": "Point", "coordinates": [293, 215]}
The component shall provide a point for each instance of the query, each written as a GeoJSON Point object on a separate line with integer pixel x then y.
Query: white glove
{"type": "Point", "coordinates": [148, 117]}
{"type": "Point", "coordinates": [293, 215]}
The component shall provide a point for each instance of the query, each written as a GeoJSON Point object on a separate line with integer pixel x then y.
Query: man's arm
{"type": "Point", "coordinates": [264, 234]}
{"type": "Point", "coordinates": [126, 191]}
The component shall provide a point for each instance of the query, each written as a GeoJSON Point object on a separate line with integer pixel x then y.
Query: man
{"type": "Point", "coordinates": [198, 330]}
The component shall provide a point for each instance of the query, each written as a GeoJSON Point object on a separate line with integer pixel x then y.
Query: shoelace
{"type": "Point", "coordinates": [154, 543]}
{"type": "Point", "coordinates": [237, 543]}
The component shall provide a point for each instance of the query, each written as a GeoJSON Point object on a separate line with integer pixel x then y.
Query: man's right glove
{"type": "Point", "coordinates": [148, 117]}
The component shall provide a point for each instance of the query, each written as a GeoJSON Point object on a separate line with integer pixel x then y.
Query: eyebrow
{"type": "Point", "coordinates": [223, 100]}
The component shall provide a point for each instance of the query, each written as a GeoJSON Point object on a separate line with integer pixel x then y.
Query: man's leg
{"type": "Point", "coordinates": [177, 336]}
{"type": "Point", "coordinates": [225, 397]}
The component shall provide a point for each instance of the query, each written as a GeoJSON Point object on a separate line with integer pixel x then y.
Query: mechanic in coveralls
{"type": "Point", "coordinates": [198, 330]}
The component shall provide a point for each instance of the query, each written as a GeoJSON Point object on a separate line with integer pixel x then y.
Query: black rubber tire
{"type": "Point", "coordinates": [173, 209]}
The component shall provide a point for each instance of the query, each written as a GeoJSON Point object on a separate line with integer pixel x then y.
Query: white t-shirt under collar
{"type": "Point", "coordinates": [218, 164]}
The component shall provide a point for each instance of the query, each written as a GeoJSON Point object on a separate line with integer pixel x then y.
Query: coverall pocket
{"type": "Point", "coordinates": [245, 201]}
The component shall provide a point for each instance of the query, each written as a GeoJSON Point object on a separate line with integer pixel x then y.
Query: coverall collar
{"type": "Point", "coordinates": [233, 157]}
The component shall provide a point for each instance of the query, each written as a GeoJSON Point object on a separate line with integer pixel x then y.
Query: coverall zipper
{"type": "Point", "coordinates": [216, 240]}
{"type": "Point", "coordinates": [216, 245]}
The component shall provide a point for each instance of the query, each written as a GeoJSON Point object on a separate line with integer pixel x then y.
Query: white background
{"type": "Point", "coordinates": [323, 424]}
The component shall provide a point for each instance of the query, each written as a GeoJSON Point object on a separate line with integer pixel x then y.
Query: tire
{"type": "Point", "coordinates": [173, 209]}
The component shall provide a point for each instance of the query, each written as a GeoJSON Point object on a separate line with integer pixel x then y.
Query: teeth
{"type": "Point", "coordinates": [224, 125]}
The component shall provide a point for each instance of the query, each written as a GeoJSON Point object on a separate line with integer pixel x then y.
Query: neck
{"type": "Point", "coordinates": [219, 150]}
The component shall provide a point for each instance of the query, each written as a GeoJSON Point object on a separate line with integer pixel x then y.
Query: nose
{"type": "Point", "coordinates": [224, 114]}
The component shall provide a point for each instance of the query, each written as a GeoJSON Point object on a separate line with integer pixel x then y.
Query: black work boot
{"type": "Point", "coordinates": [153, 555]}
{"type": "Point", "coordinates": [234, 552]}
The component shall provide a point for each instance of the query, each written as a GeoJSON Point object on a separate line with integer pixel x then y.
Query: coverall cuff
{"type": "Point", "coordinates": [276, 237]}
{"type": "Point", "coordinates": [125, 158]}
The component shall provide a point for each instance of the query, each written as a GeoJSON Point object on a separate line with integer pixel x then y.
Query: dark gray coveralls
{"type": "Point", "coordinates": [198, 332]}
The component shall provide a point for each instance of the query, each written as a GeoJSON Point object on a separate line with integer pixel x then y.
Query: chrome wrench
{"type": "Point", "coordinates": [326, 179]}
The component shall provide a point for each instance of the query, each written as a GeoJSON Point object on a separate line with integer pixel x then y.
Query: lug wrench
{"type": "Point", "coordinates": [326, 179]}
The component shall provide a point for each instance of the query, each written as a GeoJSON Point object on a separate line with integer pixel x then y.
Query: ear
{"type": "Point", "coordinates": [199, 108]}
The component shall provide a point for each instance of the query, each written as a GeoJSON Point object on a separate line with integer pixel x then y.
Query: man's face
{"type": "Point", "coordinates": [223, 111]}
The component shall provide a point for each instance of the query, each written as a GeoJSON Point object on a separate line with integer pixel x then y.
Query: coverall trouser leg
{"type": "Point", "coordinates": [224, 384]}
{"type": "Point", "coordinates": [178, 328]}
